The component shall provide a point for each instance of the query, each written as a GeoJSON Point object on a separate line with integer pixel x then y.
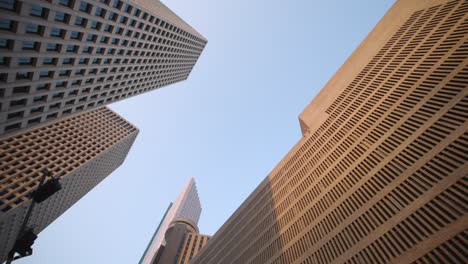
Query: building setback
{"type": "Point", "coordinates": [81, 151]}
{"type": "Point", "coordinates": [187, 206]}
{"type": "Point", "coordinates": [62, 57]}
{"type": "Point", "coordinates": [380, 174]}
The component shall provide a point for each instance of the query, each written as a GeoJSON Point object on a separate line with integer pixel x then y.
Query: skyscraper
{"type": "Point", "coordinates": [62, 57]}
{"type": "Point", "coordinates": [80, 151]}
{"type": "Point", "coordinates": [380, 173]}
{"type": "Point", "coordinates": [188, 207]}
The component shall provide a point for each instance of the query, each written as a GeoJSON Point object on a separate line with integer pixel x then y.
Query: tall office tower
{"type": "Point", "coordinates": [60, 57]}
{"type": "Point", "coordinates": [80, 151]}
{"type": "Point", "coordinates": [187, 206]}
{"type": "Point", "coordinates": [380, 174]}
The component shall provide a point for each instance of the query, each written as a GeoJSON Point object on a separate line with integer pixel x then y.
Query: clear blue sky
{"type": "Point", "coordinates": [228, 125]}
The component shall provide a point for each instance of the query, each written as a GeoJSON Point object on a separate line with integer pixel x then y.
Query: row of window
{"type": "Point", "coordinates": [39, 11]}
{"type": "Point", "coordinates": [36, 110]}
{"type": "Point", "coordinates": [68, 61]}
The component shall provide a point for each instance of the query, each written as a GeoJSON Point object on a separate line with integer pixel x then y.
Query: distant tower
{"type": "Point", "coordinates": [81, 151]}
{"type": "Point", "coordinates": [62, 57]}
{"type": "Point", "coordinates": [187, 206]}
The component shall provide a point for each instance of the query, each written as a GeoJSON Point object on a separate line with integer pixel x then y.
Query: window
{"type": "Point", "coordinates": [48, 61]}
{"type": "Point", "coordinates": [23, 75]}
{"type": "Point", "coordinates": [79, 21]}
{"type": "Point", "coordinates": [95, 61]}
{"type": "Point", "coordinates": [20, 102]}
{"type": "Point", "coordinates": [91, 37]}
{"type": "Point", "coordinates": [39, 98]}
{"type": "Point", "coordinates": [38, 11]}
{"type": "Point", "coordinates": [34, 29]}
{"type": "Point", "coordinates": [74, 92]}
{"type": "Point", "coordinates": [115, 41]}
{"type": "Point", "coordinates": [42, 87]}
{"type": "Point", "coordinates": [112, 16]}
{"type": "Point", "coordinates": [57, 32]}
{"type": "Point", "coordinates": [67, 61]}
{"type": "Point", "coordinates": [116, 3]}
{"type": "Point", "coordinates": [85, 7]}
{"type": "Point", "coordinates": [45, 74]}
{"type": "Point", "coordinates": [99, 12]}
{"type": "Point", "coordinates": [21, 90]}
{"type": "Point", "coordinates": [104, 39]}
{"type": "Point", "coordinates": [95, 25]}
{"type": "Point", "coordinates": [60, 84]}
{"type": "Point", "coordinates": [39, 109]}
{"type": "Point", "coordinates": [57, 95]}
{"type": "Point", "coordinates": [100, 50]}
{"type": "Point", "coordinates": [87, 49]}
{"type": "Point", "coordinates": [53, 47]}
{"type": "Point", "coordinates": [64, 73]}
{"type": "Point", "coordinates": [8, 5]}
{"type": "Point", "coordinates": [108, 28]}
{"type": "Point", "coordinates": [72, 48]}
{"type": "Point", "coordinates": [80, 72]}
{"type": "Point", "coordinates": [4, 61]}
{"type": "Point", "coordinates": [30, 45]}
{"type": "Point", "coordinates": [83, 61]}
{"type": "Point", "coordinates": [75, 35]}
{"type": "Point", "coordinates": [6, 24]}
{"type": "Point", "coordinates": [65, 3]}
{"type": "Point", "coordinates": [54, 115]}
{"type": "Point", "coordinates": [61, 17]}
{"type": "Point", "coordinates": [15, 115]}
{"type": "Point", "coordinates": [127, 8]}
{"type": "Point", "coordinates": [5, 43]}
{"type": "Point", "coordinates": [25, 61]}
{"type": "Point", "coordinates": [34, 120]}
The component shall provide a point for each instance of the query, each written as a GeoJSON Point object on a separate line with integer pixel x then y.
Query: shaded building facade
{"type": "Point", "coordinates": [380, 173]}
{"type": "Point", "coordinates": [182, 243]}
{"type": "Point", "coordinates": [63, 57]}
{"type": "Point", "coordinates": [186, 207]}
{"type": "Point", "coordinates": [80, 151]}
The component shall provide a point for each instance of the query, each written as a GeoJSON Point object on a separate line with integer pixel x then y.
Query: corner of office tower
{"type": "Point", "coordinates": [317, 111]}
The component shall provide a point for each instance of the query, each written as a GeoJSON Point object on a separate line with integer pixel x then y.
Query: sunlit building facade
{"type": "Point", "coordinates": [380, 173]}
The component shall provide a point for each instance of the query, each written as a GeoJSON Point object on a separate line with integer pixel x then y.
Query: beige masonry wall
{"type": "Point", "coordinates": [380, 174]}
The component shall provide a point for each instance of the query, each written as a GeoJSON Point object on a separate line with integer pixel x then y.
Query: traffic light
{"type": "Point", "coordinates": [46, 190]}
{"type": "Point", "coordinates": [23, 245]}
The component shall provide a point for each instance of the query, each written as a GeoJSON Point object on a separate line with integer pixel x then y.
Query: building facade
{"type": "Point", "coordinates": [63, 57]}
{"type": "Point", "coordinates": [187, 206]}
{"type": "Point", "coordinates": [192, 244]}
{"type": "Point", "coordinates": [380, 173]}
{"type": "Point", "coordinates": [182, 243]}
{"type": "Point", "coordinates": [81, 151]}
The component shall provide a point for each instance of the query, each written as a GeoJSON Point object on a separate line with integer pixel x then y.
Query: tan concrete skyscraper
{"type": "Point", "coordinates": [380, 174]}
{"type": "Point", "coordinates": [80, 151]}
{"type": "Point", "coordinates": [62, 57]}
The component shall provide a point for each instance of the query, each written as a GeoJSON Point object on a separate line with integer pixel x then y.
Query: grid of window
{"type": "Point", "coordinates": [383, 179]}
{"type": "Point", "coordinates": [71, 150]}
{"type": "Point", "coordinates": [112, 50]}
{"type": "Point", "coordinates": [191, 245]}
